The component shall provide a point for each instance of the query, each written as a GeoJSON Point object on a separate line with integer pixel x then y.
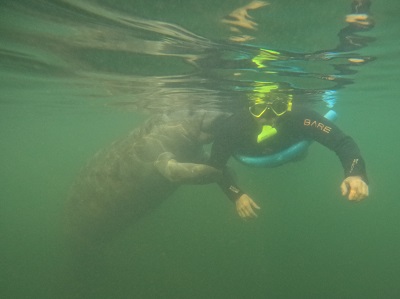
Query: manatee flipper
{"type": "Point", "coordinates": [186, 173]}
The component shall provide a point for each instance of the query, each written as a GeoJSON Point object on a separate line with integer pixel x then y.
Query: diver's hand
{"type": "Point", "coordinates": [245, 205]}
{"type": "Point", "coordinates": [354, 188]}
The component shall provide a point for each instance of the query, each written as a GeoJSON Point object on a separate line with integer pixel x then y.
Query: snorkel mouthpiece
{"type": "Point", "coordinates": [267, 132]}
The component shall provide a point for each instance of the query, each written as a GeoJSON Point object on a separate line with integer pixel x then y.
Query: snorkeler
{"type": "Point", "coordinates": [272, 124]}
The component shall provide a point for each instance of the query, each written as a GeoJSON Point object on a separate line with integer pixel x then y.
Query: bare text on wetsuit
{"type": "Point", "coordinates": [313, 123]}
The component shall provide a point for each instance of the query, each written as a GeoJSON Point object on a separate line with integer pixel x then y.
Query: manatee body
{"type": "Point", "coordinates": [134, 175]}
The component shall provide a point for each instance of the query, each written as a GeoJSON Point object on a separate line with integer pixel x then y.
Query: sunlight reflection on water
{"type": "Point", "coordinates": [149, 64]}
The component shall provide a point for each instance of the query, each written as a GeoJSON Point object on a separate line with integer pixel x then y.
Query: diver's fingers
{"type": "Point", "coordinates": [358, 189]}
{"type": "Point", "coordinates": [344, 188]}
{"type": "Point", "coordinates": [353, 194]}
{"type": "Point", "coordinates": [245, 205]}
{"type": "Point", "coordinates": [239, 209]}
{"type": "Point", "coordinates": [361, 190]}
{"type": "Point", "coordinates": [245, 211]}
{"type": "Point", "coordinates": [365, 190]}
{"type": "Point", "coordinates": [249, 212]}
{"type": "Point", "coordinates": [254, 205]}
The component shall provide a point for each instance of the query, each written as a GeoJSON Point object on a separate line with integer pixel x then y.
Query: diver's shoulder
{"type": "Point", "coordinates": [302, 111]}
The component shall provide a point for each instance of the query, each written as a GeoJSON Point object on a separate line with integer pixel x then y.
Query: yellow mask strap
{"type": "Point", "coordinates": [289, 105]}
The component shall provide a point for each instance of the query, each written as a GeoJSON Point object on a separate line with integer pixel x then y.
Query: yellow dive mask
{"type": "Point", "coordinates": [278, 107]}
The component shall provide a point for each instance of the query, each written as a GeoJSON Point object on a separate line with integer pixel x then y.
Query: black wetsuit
{"type": "Point", "coordinates": [239, 134]}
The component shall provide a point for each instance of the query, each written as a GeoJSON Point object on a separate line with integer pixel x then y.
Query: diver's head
{"type": "Point", "coordinates": [267, 110]}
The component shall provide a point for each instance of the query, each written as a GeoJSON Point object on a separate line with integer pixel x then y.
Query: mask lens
{"type": "Point", "coordinates": [258, 109]}
{"type": "Point", "coordinates": [279, 107]}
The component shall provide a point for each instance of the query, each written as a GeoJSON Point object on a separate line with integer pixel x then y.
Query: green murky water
{"type": "Point", "coordinates": [72, 73]}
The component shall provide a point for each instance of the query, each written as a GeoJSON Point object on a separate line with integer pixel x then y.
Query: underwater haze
{"type": "Point", "coordinates": [78, 74]}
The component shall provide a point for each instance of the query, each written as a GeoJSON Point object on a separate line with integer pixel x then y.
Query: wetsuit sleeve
{"type": "Point", "coordinates": [314, 126]}
{"type": "Point", "coordinates": [229, 186]}
{"type": "Point", "coordinates": [229, 137]}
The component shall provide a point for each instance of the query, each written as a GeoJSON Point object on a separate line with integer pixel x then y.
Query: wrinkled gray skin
{"type": "Point", "coordinates": [134, 175]}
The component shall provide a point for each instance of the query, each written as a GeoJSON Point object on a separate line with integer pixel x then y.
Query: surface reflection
{"type": "Point", "coordinates": [149, 64]}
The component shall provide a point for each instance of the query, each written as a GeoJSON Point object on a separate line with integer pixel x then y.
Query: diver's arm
{"type": "Point", "coordinates": [315, 126]}
{"type": "Point", "coordinates": [220, 154]}
{"type": "Point", "coordinates": [227, 140]}
{"type": "Point", "coordinates": [229, 186]}
{"type": "Point", "coordinates": [221, 151]}
{"type": "Point", "coordinates": [244, 203]}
